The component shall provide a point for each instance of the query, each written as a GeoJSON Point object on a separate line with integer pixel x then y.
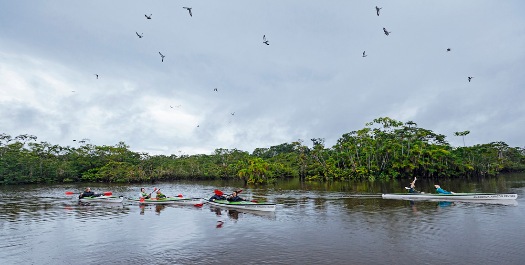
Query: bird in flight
{"type": "Point", "coordinates": [233, 113]}
{"type": "Point", "coordinates": [148, 17]}
{"type": "Point", "coordinates": [265, 41]}
{"type": "Point", "coordinates": [162, 57]}
{"type": "Point", "coordinates": [215, 89]}
{"type": "Point", "coordinates": [189, 10]}
{"type": "Point", "coordinates": [364, 55]}
{"type": "Point", "coordinates": [448, 49]}
{"type": "Point", "coordinates": [96, 75]}
{"type": "Point", "coordinates": [470, 78]}
{"type": "Point", "coordinates": [377, 10]}
{"type": "Point", "coordinates": [386, 32]}
{"type": "Point", "coordinates": [140, 36]}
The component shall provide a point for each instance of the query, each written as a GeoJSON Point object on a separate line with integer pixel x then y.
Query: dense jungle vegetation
{"type": "Point", "coordinates": [384, 149]}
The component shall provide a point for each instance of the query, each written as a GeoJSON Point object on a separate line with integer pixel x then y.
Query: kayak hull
{"type": "Point", "coordinates": [169, 200]}
{"type": "Point", "coordinates": [108, 199]}
{"type": "Point", "coordinates": [244, 205]}
{"type": "Point", "coordinates": [455, 196]}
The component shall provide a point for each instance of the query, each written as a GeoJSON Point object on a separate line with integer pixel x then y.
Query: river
{"type": "Point", "coordinates": [314, 223]}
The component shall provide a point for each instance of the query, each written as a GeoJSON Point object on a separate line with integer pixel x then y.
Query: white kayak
{"type": "Point", "coordinates": [244, 205]}
{"type": "Point", "coordinates": [168, 200]}
{"type": "Point", "coordinates": [455, 196]}
{"type": "Point", "coordinates": [109, 199]}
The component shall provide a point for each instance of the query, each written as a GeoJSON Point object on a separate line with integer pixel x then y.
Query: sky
{"type": "Point", "coordinates": [220, 86]}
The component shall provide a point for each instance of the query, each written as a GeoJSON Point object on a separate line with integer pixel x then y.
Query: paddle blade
{"type": "Point", "coordinates": [198, 205]}
{"type": "Point", "coordinates": [180, 195]}
{"type": "Point", "coordinates": [69, 193]}
{"type": "Point", "coordinates": [141, 199]}
{"type": "Point", "coordinates": [256, 201]}
{"type": "Point", "coordinates": [218, 192]}
{"type": "Point", "coordinates": [108, 193]}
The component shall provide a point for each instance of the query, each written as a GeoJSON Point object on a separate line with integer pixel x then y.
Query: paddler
{"type": "Point", "coordinates": [412, 188]}
{"type": "Point", "coordinates": [88, 193]}
{"type": "Point", "coordinates": [442, 191]}
{"type": "Point", "coordinates": [143, 194]}
{"type": "Point", "coordinates": [160, 195]}
{"type": "Point", "coordinates": [234, 197]}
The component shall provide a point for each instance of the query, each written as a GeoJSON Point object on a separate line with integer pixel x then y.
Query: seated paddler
{"type": "Point", "coordinates": [235, 197]}
{"type": "Point", "coordinates": [218, 195]}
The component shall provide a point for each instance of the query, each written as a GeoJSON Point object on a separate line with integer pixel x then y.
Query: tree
{"type": "Point", "coordinates": [462, 134]}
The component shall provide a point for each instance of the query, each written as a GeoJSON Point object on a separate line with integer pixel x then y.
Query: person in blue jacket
{"type": "Point", "coordinates": [442, 191]}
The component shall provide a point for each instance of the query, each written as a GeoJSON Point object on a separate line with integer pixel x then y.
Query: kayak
{"type": "Point", "coordinates": [168, 200]}
{"type": "Point", "coordinates": [244, 205]}
{"type": "Point", "coordinates": [455, 196]}
{"type": "Point", "coordinates": [112, 199]}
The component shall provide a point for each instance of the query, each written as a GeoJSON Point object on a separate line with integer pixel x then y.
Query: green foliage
{"type": "Point", "coordinates": [383, 149]}
{"type": "Point", "coordinates": [255, 171]}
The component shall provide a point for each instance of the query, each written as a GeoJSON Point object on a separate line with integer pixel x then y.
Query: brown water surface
{"type": "Point", "coordinates": [314, 224]}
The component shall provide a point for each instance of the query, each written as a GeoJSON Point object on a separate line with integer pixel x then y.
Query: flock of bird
{"type": "Point", "coordinates": [162, 56]}
{"type": "Point", "coordinates": [141, 35]}
{"type": "Point", "coordinates": [265, 41]}
{"type": "Point", "coordinates": [378, 9]}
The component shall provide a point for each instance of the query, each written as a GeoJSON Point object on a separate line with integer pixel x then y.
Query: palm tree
{"type": "Point", "coordinates": [462, 134]}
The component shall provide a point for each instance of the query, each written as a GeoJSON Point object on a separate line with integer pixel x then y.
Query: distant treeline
{"type": "Point", "coordinates": [384, 149]}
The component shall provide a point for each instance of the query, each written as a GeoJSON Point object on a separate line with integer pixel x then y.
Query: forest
{"type": "Point", "coordinates": [383, 149]}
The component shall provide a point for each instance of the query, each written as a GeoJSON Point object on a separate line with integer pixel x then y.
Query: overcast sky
{"type": "Point", "coordinates": [310, 82]}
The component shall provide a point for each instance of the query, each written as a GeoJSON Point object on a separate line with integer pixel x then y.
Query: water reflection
{"type": "Point", "coordinates": [445, 204]}
{"type": "Point", "coordinates": [318, 224]}
{"type": "Point", "coordinates": [233, 215]}
{"type": "Point", "coordinates": [159, 208]}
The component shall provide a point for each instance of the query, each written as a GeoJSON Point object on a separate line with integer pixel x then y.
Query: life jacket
{"type": "Point", "coordinates": [86, 194]}
{"type": "Point", "coordinates": [217, 197]}
{"type": "Point", "coordinates": [235, 199]}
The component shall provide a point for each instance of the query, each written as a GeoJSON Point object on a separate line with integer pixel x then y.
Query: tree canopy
{"type": "Point", "coordinates": [383, 149]}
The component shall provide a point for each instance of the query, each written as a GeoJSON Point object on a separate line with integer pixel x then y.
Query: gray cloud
{"type": "Point", "coordinates": [310, 82]}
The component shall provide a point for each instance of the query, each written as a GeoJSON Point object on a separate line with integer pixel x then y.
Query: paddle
{"type": "Point", "coordinates": [154, 190]}
{"type": "Point", "coordinates": [220, 193]}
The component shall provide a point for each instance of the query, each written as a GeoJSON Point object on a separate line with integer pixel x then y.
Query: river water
{"type": "Point", "coordinates": [314, 223]}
